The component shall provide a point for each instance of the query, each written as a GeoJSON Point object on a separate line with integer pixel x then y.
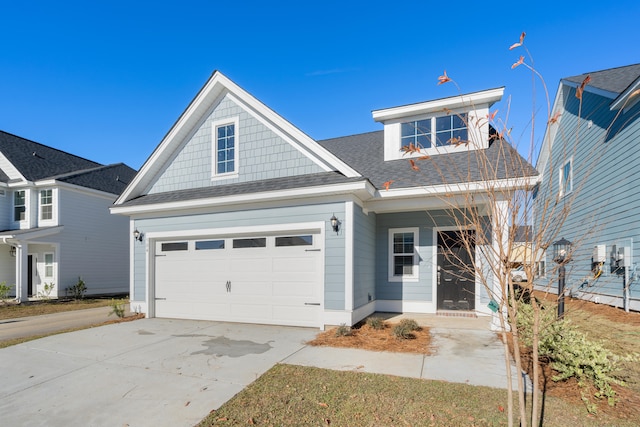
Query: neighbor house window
{"type": "Point", "coordinates": [19, 205]}
{"type": "Point", "coordinates": [566, 179]}
{"type": "Point", "coordinates": [402, 254]}
{"type": "Point", "coordinates": [541, 269]}
{"type": "Point", "coordinates": [46, 204]}
{"type": "Point", "coordinates": [48, 265]}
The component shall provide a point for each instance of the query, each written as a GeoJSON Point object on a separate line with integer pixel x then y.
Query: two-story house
{"type": "Point", "coordinates": [55, 225]}
{"type": "Point", "coordinates": [590, 168]}
{"type": "Point", "coordinates": [240, 216]}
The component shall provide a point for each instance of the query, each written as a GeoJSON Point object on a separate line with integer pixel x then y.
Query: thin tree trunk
{"type": "Point", "coordinates": [516, 355]}
{"type": "Point", "coordinates": [536, 366]}
{"type": "Point", "coordinates": [507, 360]}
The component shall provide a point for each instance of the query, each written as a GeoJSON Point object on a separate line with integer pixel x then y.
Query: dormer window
{"type": "Point", "coordinates": [438, 127]}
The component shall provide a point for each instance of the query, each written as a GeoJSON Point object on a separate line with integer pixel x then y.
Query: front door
{"type": "Point", "coordinates": [29, 275]}
{"type": "Point", "coordinates": [456, 275]}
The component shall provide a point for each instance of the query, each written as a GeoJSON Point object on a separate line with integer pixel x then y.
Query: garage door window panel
{"type": "Point", "coordinates": [204, 245]}
{"type": "Point", "coordinates": [174, 246]}
{"type": "Point", "coordinates": [287, 241]}
{"type": "Point", "coordinates": [257, 242]}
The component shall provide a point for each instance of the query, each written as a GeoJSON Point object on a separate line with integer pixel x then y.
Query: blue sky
{"type": "Point", "coordinates": [107, 80]}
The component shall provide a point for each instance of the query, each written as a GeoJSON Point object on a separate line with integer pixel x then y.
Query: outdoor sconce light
{"type": "Point", "coordinates": [561, 255]}
{"type": "Point", "coordinates": [335, 223]}
{"type": "Point", "coordinates": [137, 235]}
{"type": "Point", "coordinates": [12, 251]}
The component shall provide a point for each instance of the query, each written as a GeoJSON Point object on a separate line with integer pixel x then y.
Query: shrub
{"type": "Point", "coordinates": [46, 292]}
{"type": "Point", "coordinates": [376, 323]}
{"type": "Point", "coordinates": [117, 308]}
{"type": "Point", "coordinates": [78, 290]}
{"type": "Point", "coordinates": [410, 324]}
{"type": "Point", "coordinates": [344, 331]}
{"type": "Point", "coordinates": [572, 354]}
{"type": "Point", "coordinates": [4, 291]}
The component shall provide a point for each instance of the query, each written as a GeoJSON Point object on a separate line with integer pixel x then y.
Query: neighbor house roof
{"type": "Point", "coordinates": [37, 162]}
{"type": "Point", "coordinates": [613, 80]}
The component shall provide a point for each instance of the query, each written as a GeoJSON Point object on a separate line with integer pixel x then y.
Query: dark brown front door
{"type": "Point", "coordinates": [456, 276]}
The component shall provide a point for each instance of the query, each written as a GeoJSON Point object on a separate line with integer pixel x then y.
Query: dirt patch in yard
{"type": "Point", "coordinates": [367, 338]}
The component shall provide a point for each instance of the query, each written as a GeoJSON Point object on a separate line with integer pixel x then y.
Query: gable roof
{"type": "Point", "coordinates": [38, 162]}
{"type": "Point", "coordinates": [613, 80]}
{"type": "Point", "coordinates": [365, 153]}
{"type": "Point", "coordinates": [214, 89]}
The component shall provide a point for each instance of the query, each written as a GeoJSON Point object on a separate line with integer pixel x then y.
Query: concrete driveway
{"type": "Point", "coordinates": [150, 372]}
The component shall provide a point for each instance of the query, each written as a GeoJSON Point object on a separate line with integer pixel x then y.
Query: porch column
{"type": "Point", "coordinates": [22, 281]}
{"type": "Point", "coordinates": [500, 236]}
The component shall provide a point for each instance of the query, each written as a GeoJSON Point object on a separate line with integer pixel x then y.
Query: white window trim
{"type": "Point", "coordinates": [54, 210]}
{"type": "Point", "coordinates": [53, 267]}
{"type": "Point", "coordinates": [214, 148]}
{"type": "Point", "coordinates": [416, 264]}
{"type": "Point", "coordinates": [27, 195]}
{"type": "Point", "coordinates": [561, 189]}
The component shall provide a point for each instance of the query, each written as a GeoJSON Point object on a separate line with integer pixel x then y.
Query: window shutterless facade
{"type": "Point", "coordinates": [19, 205]}
{"type": "Point", "coordinates": [435, 131]}
{"type": "Point", "coordinates": [403, 263]}
{"type": "Point", "coordinates": [46, 204]}
{"type": "Point", "coordinates": [565, 184]}
{"type": "Point", "coordinates": [225, 148]}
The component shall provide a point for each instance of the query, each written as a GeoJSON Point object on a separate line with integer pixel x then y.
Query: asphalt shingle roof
{"type": "Point", "coordinates": [365, 153]}
{"type": "Point", "coordinates": [36, 162]}
{"type": "Point", "coordinates": [614, 80]}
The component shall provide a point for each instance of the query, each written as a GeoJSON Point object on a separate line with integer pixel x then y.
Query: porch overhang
{"type": "Point", "coordinates": [14, 236]}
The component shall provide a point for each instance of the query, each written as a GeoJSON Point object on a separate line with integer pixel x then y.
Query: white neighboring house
{"type": "Point", "coordinates": [55, 224]}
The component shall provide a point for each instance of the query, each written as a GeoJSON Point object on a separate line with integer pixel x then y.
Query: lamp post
{"type": "Point", "coordinates": [561, 256]}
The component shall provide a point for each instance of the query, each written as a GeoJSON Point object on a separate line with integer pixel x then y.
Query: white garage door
{"type": "Point", "coordinates": [255, 279]}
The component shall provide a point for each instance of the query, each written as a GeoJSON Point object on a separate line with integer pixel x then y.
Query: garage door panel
{"type": "Point", "coordinates": [270, 284]}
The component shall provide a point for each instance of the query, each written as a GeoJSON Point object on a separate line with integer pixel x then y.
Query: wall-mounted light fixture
{"type": "Point", "coordinates": [12, 251]}
{"type": "Point", "coordinates": [335, 223]}
{"type": "Point", "coordinates": [137, 235]}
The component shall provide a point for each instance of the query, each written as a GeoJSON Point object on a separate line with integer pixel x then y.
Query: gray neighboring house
{"type": "Point", "coordinates": [239, 216]}
{"type": "Point", "coordinates": [590, 159]}
{"type": "Point", "coordinates": [55, 224]}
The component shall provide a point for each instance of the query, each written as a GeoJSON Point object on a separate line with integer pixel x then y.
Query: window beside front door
{"type": "Point", "coordinates": [48, 266]}
{"type": "Point", "coordinates": [403, 259]}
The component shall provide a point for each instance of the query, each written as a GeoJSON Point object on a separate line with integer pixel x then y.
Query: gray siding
{"type": "Point", "coordinates": [5, 208]}
{"type": "Point", "coordinates": [364, 250]}
{"type": "Point", "coordinates": [334, 284]}
{"type": "Point", "coordinates": [94, 244]}
{"type": "Point", "coordinates": [262, 154]}
{"type": "Point", "coordinates": [605, 204]}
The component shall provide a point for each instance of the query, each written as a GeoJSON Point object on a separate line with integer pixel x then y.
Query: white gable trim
{"type": "Point", "coordinates": [216, 87]}
{"type": "Point", "coordinates": [8, 168]}
{"type": "Point", "coordinates": [629, 97]}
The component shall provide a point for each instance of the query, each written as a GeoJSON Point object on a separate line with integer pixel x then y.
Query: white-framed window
{"type": "Point", "coordinates": [225, 148]}
{"type": "Point", "coordinates": [19, 205]}
{"type": "Point", "coordinates": [403, 254]}
{"type": "Point", "coordinates": [46, 204]}
{"type": "Point", "coordinates": [48, 265]}
{"type": "Point", "coordinates": [541, 269]}
{"type": "Point", "coordinates": [565, 184]}
{"type": "Point", "coordinates": [434, 131]}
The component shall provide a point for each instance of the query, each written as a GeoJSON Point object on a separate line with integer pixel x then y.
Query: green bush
{"type": "Point", "coordinates": [572, 354]}
{"type": "Point", "coordinates": [376, 323]}
{"type": "Point", "coordinates": [344, 331]}
{"type": "Point", "coordinates": [46, 292]}
{"type": "Point", "coordinates": [78, 290]}
{"type": "Point", "coordinates": [117, 308]}
{"type": "Point", "coordinates": [4, 291]}
{"type": "Point", "coordinates": [410, 324]}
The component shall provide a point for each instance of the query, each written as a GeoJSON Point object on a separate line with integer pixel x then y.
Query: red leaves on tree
{"type": "Point", "coordinates": [519, 62]}
{"type": "Point", "coordinates": [515, 45]}
{"type": "Point", "coordinates": [387, 184]}
{"type": "Point", "coordinates": [413, 165]}
{"type": "Point", "coordinates": [582, 85]}
{"type": "Point", "coordinates": [555, 118]}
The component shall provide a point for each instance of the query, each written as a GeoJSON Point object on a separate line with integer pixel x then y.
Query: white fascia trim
{"type": "Point", "coordinates": [316, 226]}
{"type": "Point", "coordinates": [591, 89]}
{"type": "Point", "coordinates": [361, 186]}
{"type": "Point", "coordinates": [547, 143]}
{"type": "Point", "coordinates": [75, 188]}
{"type": "Point", "coordinates": [475, 99]}
{"type": "Point", "coordinates": [623, 100]}
{"type": "Point", "coordinates": [461, 188]}
{"type": "Point", "coordinates": [217, 85]}
{"type": "Point", "coordinates": [287, 131]}
{"type": "Point", "coordinates": [12, 172]}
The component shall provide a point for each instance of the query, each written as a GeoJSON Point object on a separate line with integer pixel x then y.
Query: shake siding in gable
{"type": "Point", "coordinates": [605, 206]}
{"type": "Point", "coordinates": [93, 245]}
{"type": "Point", "coordinates": [262, 154]}
{"type": "Point", "coordinates": [334, 247]}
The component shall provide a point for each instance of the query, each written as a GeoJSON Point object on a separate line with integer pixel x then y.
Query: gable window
{"type": "Point", "coordinates": [225, 147]}
{"type": "Point", "coordinates": [46, 204]}
{"type": "Point", "coordinates": [566, 179]}
{"type": "Point", "coordinates": [19, 205]}
{"type": "Point", "coordinates": [402, 254]}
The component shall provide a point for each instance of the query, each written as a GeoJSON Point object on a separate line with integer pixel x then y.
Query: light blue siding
{"type": "Point", "coordinates": [605, 204]}
{"type": "Point", "coordinates": [262, 154]}
{"type": "Point", "coordinates": [364, 249]}
{"type": "Point", "coordinates": [334, 244]}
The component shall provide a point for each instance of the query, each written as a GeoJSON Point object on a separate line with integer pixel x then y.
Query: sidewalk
{"type": "Point", "coordinates": [49, 323]}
